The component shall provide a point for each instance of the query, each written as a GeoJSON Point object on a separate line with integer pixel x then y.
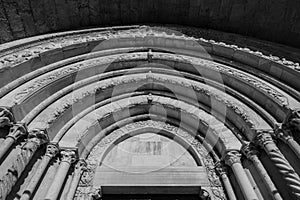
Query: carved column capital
{"type": "Point", "coordinates": [263, 138]}
{"type": "Point", "coordinates": [220, 168]}
{"type": "Point", "coordinates": [284, 136]}
{"type": "Point", "coordinates": [52, 150]}
{"type": "Point", "coordinates": [232, 157]}
{"type": "Point", "coordinates": [68, 155]}
{"type": "Point", "coordinates": [81, 165]}
{"type": "Point", "coordinates": [249, 150]}
{"type": "Point", "coordinates": [6, 117]}
{"type": "Point", "coordinates": [36, 138]}
{"type": "Point", "coordinates": [292, 121]}
{"type": "Point", "coordinates": [16, 131]}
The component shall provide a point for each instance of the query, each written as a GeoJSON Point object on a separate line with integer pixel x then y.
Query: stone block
{"type": "Point", "coordinates": [223, 51]}
{"type": "Point", "coordinates": [52, 56]}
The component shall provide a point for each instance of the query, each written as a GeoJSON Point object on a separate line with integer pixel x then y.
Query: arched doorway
{"type": "Point", "coordinates": [150, 162]}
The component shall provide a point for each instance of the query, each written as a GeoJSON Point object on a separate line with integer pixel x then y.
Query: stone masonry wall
{"type": "Point", "coordinates": [274, 20]}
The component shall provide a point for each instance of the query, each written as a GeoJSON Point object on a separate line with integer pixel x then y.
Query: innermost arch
{"type": "Point", "coordinates": [149, 150]}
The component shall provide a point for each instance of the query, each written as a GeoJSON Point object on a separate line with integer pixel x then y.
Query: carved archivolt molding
{"type": "Point", "coordinates": [280, 98]}
{"type": "Point", "coordinates": [238, 108]}
{"type": "Point", "coordinates": [85, 185]}
{"type": "Point", "coordinates": [28, 52]}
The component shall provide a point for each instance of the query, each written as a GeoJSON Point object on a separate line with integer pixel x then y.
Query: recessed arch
{"type": "Point", "coordinates": [155, 130]}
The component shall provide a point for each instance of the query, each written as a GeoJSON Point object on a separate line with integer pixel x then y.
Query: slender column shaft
{"type": "Point", "coordinates": [68, 157]}
{"type": "Point", "coordinates": [80, 167]}
{"type": "Point", "coordinates": [294, 146]}
{"type": "Point", "coordinates": [264, 139]}
{"type": "Point", "coordinates": [51, 152]}
{"type": "Point", "coordinates": [15, 133]}
{"type": "Point", "coordinates": [5, 146]}
{"type": "Point", "coordinates": [228, 187]}
{"type": "Point", "coordinates": [251, 153]}
{"type": "Point", "coordinates": [232, 159]}
{"type": "Point", "coordinates": [23, 158]}
{"type": "Point", "coordinates": [290, 127]}
{"type": "Point", "coordinates": [286, 136]}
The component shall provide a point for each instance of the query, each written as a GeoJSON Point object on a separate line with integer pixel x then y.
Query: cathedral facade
{"type": "Point", "coordinates": [186, 99]}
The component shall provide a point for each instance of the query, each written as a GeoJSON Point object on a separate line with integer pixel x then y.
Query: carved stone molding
{"type": "Point", "coordinates": [68, 155]}
{"type": "Point", "coordinates": [6, 117]}
{"type": "Point", "coordinates": [30, 51]}
{"type": "Point", "coordinates": [16, 131]}
{"type": "Point", "coordinates": [239, 109]}
{"type": "Point", "coordinates": [149, 56]}
{"type": "Point", "coordinates": [232, 157]}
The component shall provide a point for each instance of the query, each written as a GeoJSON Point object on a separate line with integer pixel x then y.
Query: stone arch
{"type": "Point", "coordinates": [41, 76]}
{"type": "Point", "coordinates": [195, 144]}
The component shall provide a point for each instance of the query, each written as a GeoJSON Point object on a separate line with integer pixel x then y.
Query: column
{"type": "Point", "coordinates": [285, 133]}
{"type": "Point", "coordinates": [16, 131]}
{"type": "Point", "coordinates": [222, 172]}
{"type": "Point", "coordinates": [68, 157]}
{"type": "Point", "coordinates": [251, 153]}
{"type": "Point", "coordinates": [35, 140]}
{"type": "Point", "coordinates": [6, 117]}
{"type": "Point", "coordinates": [264, 139]}
{"type": "Point", "coordinates": [233, 159]}
{"type": "Point", "coordinates": [51, 152]}
{"type": "Point", "coordinates": [79, 169]}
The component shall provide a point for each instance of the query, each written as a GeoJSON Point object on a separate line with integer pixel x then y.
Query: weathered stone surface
{"type": "Point", "coordinates": [265, 19]}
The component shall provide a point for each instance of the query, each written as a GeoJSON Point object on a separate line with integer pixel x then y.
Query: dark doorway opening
{"type": "Point", "coordinates": [151, 197]}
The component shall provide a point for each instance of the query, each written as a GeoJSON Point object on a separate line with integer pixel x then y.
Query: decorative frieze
{"type": "Point", "coordinates": [219, 68]}
{"type": "Point", "coordinates": [29, 52]}
{"type": "Point", "coordinates": [237, 108]}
